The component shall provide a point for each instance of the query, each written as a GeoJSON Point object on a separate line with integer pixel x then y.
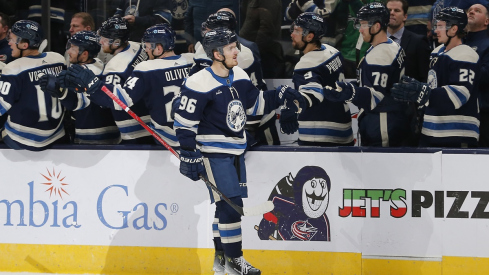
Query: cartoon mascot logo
{"type": "Point", "coordinates": [300, 208]}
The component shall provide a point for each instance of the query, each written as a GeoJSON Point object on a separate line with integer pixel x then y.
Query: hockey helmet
{"type": "Point", "coordinates": [372, 13]}
{"type": "Point", "coordinates": [86, 41]}
{"type": "Point", "coordinates": [310, 22]}
{"type": "Point", "coordinates": [221, 19]}
{"type": "Point", "coordinates": [453, 16]}
{"type": "Point", "coordinates": [114, 28]}
{"type": "Point", "coordinates": [28, 30]}
{"type": "Point", "coordinates": [216, 39]}
{"type": "Point", "coordinates": [160, 34]}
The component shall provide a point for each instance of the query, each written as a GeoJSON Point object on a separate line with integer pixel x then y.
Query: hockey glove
{"type": "Point", "coordinates": [344, 92]}
{"type": "Point", "coordinates": [49, 85]}
{"type": "Point", "coordinates": [84, 80]}
{"type": "Point", "coordinates": [288, 121]}
{"type": "Point", "coordinates": [291, 98]}
{"type": "Point", "coordinates": [192, 164]}
{"type": "Point", "coordinates": [411, 90]}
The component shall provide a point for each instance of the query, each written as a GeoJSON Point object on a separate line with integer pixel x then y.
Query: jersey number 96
{"type": "Point", "coordinates": [187, 104]}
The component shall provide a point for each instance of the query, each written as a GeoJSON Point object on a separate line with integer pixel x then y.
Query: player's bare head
{"type": "Point", "coordinates": [478, 18]}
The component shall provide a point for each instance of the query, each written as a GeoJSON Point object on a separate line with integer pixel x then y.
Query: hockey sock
{"type": "Point", "coordinates": [215, 232]}
{"type": "Point", "coordinates": [230, 227]}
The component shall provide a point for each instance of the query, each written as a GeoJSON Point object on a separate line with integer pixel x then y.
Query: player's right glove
{"type": "Point", "coordinates": [49, 85]}
{"type": "Point", "coordinates": [344, 92]}
{"type": "Point", "coordinates": [411, 90]}
{"type": "Point", "coordinates": [81, 79]}
{"type": "Point", "coordinates": [289, 123]}
{"type": "Point", "coordinates": [291, 98]}
{"type": "Point", "coordinates": [192, 164]}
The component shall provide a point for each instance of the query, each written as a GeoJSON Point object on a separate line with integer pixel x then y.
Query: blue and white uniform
{"type": "Point", "coordinates": [157, 82]}
{"type": "Point", "coordinates": [452, 112]}
{"type": "Point", "coordinates": [93, 124]}
{"type": "Point", "coordinates": [382, 121]}
{"type": "Point", "coordinates": [116, 71]}
{"type": "Point", "coordinates": [323, 122]}
{"type": "Point", "coordinates": [35, 119]}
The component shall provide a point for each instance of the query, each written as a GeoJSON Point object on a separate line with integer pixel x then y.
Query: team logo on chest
{"type": "Point", "coordinates": [236, 117]}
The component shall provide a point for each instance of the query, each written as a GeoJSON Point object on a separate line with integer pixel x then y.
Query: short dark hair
{"type": "Point", "coordinates": [87, 19]}
{"type": "Point", "coordinates": [405, 4]}
{"type": "Point", "coordinates": [5, 21]}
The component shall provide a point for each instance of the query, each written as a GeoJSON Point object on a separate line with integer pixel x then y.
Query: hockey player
{"type": "Point", "coordinates": [210, 123]}
{"type": "Point", "coordinates": [155, 81]}
{"type": "Point", "coordinates": [261, 129]}
{"type": "Point", "coordinates": [34, 118]}
{"type": "Point", "coordinates": [324, 123]}
{"type": "Point", "coordinates": [451, 116]}
{"type": "Point", "coordinates": [127, 54]}
{"type": "Point", "coordinates": [93, 124]}
{"type": "Point", "coordinates": [382, 121]}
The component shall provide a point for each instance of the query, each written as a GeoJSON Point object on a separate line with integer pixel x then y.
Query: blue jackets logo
{"type": "Point", "coordinates": [236, 117]}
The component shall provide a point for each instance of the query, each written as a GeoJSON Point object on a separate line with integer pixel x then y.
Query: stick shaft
{"type": "Point", "coordinates": [167, 146]}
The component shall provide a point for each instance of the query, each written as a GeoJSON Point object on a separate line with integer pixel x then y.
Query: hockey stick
{"type": "Point", "coordinates": [243, 211]}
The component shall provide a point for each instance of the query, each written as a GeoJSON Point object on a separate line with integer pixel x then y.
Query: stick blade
{"type": "Point", "coordinates": [258, 210]}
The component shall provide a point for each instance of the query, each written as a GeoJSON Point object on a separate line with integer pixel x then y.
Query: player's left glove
{"type": "Point", "coordinates": [192, 164]}
{"type": "Point", "coordinates": [83, 80]}
{"type": "Point", "coordinates": [291, 98]}
{"type": "Point", "coordinates": [289, 123]}
{"type": "Point", "coordinates": [411, 90]}
{"type": "Point", "coordinates": [344, 92]}
{"type": "Point", "coordinates": [49, 85]}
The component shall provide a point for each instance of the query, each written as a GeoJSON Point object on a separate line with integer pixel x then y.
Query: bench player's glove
{"type": "Point", "coordinates": [49, 85]}
{"type": "Point", "coordinates": [411, 90]}
{"type": "Point", "coordinates": [291, 98]}
{"type": "Point", "coordinates": [288, 121]}
{"type": "Point", "coordinates": [81, 79]}
{"type": "Point", "coordinates": [192, 164]}
{"type": "Point", "coordinates": [344, 92]}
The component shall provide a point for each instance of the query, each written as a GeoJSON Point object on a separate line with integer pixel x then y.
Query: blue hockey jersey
{"type": "Point", "coordinates": [382, 121]}
{"type": "Point", "coordinates": [116, 71]}
{"type": "Point", "coordinates": [213, 111]}
{"type": "Point", "coordinates": [35, 119]}
{"type": "Point", "coordinates": [323, 122]}
{"type": "Point", "coordinates": [452, 112]}
{"type": "Point", "coordinates": [155, 83]}
{"type": "Point", "coordinates": [93, 124]}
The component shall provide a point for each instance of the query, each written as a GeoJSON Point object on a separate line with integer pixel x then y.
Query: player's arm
{"type": "Point", "coordinates": [188, 115]}
{"type": "Point", "coordinates": [308, 83]}
{"type": "Point", "coordinates": [458, 92]}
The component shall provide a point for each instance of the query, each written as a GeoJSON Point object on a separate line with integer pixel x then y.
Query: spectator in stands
{"type": "Point", "coordinates": [478, 39]}
{"type": "Point", "coordinates": [81, 21]}
{"type": "Point", "coordinates": [142, 14]}
{"type": "Point", "coordinates": [419, 13]}
{"type": "Point", "coordinates": [415, 46]}
{"type": "Point", "coordinates": [262, 26]}
{"type": "Point", "coordinates": [197, 13]}
{"type": "Point", "coordinates": [5, 50]}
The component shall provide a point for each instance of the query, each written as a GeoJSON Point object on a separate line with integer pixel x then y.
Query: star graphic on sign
{"type": "Point", "coordinates": [56, 183]}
